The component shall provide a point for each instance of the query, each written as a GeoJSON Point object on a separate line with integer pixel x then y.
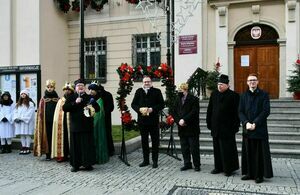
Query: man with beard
{"type": "Point", "coordinates": [254, 110]}
{"type": "Point", "coordinates": [44, 123]}
{"type": "Point", "coordinates": [82, 149]}
{"type": "Point", "coordinates": [61, 127]}
{"type": "Point", "coordinates": [148, 102]}
{"type": "Point", "coordinates": [223, 120]}
{"type": "Point", "coordinates": [108, 103]}
{"type": "Point", "coordinates": [7, 131]}
{"type": "Point", "coordinates": [99, 126]}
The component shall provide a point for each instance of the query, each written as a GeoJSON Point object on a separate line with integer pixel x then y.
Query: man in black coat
{"type": "Point", "coordinates": [148, 102]}
{"type": "Point", "coordinates": [223, 120]}
{"type": "Point", "coordinates": [82, 149]}
{"type": "Point", "coordinates": [108, 108]}
{"type": "Point", "coordinates": [254, 110]}
{"type": "Point", "coordinates": [186, 116]}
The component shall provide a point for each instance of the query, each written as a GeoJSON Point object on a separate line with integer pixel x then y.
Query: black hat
{"type": "Point", "coordinates": [93, 86]}
{"type": "Point", "coordinates": [223, 79]}
{"type": "Point", "coordinates": [79, 81]}
{"type": "Point", "coordinates": [6, 93]}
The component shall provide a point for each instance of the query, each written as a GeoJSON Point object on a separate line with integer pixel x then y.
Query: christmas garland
{"type": "Point", "coordinates": [128, 75]}
{"type": "Point", "coordinates": [65, 5]}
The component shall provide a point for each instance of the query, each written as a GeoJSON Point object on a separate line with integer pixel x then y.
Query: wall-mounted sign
{"type": "Point", "coordinates": [187, 44]}
{"type": "Point", "coordinates": [256, 32]}
{"type": "Point", "coordinates": [245, 60]}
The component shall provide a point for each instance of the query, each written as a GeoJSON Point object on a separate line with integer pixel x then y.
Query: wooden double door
{"type": "Point", "coordinates": [260, 59]}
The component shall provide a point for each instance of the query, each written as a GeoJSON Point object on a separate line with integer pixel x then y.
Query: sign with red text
{"type": "Point", "coordinates": [187, 44]}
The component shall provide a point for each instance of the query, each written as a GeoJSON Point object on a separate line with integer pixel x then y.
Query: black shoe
{"type": "Point", "coordinates": [8, 150]}
{"type": "Point", "coordinates": [74, 169]}
{"type": "Point", "coordinates": [197, 169]}
{"type": "Point", "coordinates": [144, 164]}
{"type": "Point", "coordinates": [184, 168]}
{"type": "Point", "coordinates": [88, 168]}
{"type": "Point", "coordinates": [246, 177]}
{"type": "Point", "coordinates": [155, 165]}
{"type": "Point", "coordinates": [259, 180]}
{"type": "Point", "coordinates": [215, 171]}
{"type": "Point", "coordinates": [227, 174]}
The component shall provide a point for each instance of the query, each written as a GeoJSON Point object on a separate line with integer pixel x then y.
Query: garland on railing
{"type": "Point", "coordinates": [65, 5]}
{"type": "Point", "coordinates": [128, 75]}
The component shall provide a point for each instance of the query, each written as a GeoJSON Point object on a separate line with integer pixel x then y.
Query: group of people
{"type": "Point", "coordinates": [76, 127]}
{"type": "Point", "coordinates": [226, 111]}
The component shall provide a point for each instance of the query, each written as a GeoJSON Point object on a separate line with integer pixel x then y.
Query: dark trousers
{"type": "Point", "coordinates": [225, 154]}
{"type": "Point", "coordinates": [153, 130]}
{"type": "Point", "coordinates": [49, 125]}
{"type": "Point", "coordinates": [190, 145]}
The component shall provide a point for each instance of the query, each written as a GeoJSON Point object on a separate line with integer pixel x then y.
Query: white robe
{"type": "Point", "coordinates": [7, 129]}
{"type": "Point", "coordinates": [27, 115]}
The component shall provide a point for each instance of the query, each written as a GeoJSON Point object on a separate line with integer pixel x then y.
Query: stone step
{"type": "Point", "coordinates": [272, 135]}
{"type": "Point", "coordinates": [274, 144]}
{"type": "Point", "coordinates": [277, 153]}
{"type": "Point", "coordinates": [271, 120]}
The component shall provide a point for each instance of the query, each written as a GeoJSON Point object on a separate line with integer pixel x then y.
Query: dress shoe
{"type": "Point", "coordinates": [144, 164]}
{"type": "Point", "coordinates": [215, 171]}
{"type": "Point", "coordinates": [246, 177]}
{"type": "Point", "coordinates": [227, 174]}
{"type": "Point", "coordinates": [74, 169]}
{"type": "Point", "coordinates": [259, 180]}
{"type": "Point", "coordinates": [197, 169]}
{"type": "Point", "coordinates": [155, 165]}
{"type": "Point", "coordinates": [184, 168]}
{"type": "Point", "coordinates": [88, 168]}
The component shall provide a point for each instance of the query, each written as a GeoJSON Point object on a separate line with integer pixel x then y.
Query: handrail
{"type": "Point", "coordinates": [197, 84]}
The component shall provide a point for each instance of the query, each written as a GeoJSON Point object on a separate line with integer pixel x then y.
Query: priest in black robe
{"type": "Point", "coordinates": [223, 120]}
{"type": "Point", "coordinates": [254, 110]}
{"type": "Point", "coordinates": [82, 148]}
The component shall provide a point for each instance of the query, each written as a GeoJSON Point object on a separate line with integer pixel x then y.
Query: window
{"type": "Point", "coordinates": [95, 59]}
{"type": "Point", "coordinates": [146, 51]}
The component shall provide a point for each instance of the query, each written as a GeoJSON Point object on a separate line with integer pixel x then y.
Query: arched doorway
{"type": "Point", "coordinates": [257, 51]}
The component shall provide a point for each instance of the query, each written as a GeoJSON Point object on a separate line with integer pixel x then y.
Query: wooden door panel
{"type": "Point", "coordinates": [263, 60]}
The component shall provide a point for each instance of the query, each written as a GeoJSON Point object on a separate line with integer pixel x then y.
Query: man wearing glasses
{"type": "Point", "coordinates": [254, 109]}
{"type": "Point", "coordinates": [148, 102]}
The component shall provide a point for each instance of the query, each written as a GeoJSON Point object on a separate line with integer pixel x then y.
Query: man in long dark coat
{"type": "Point", "coordinates": [108, 108]}
{"type": "Point", "coordinates": [82, 149]}
{"type": "Point", "coordinates": [254, 110]}
{"type": "Point", "coordinates": [223, 120]}
{"type": "Point", "coordinates": [186, 116]}
{"type": "Point", "coordinates": [148, 102]}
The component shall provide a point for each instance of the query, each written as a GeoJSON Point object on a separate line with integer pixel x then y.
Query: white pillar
{"type": "Point", "coordinates": [222, 38]}
{"type": "Point", "coordinates": [6, 33]}
{"type": "Point", "coordinates": [292, 35]}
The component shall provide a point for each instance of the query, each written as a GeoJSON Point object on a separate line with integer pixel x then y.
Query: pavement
{"type": "Point", "coordinates": [25, 174]}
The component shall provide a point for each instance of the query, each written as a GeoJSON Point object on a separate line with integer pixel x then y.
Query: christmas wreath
{"type": "Point", "coordinates": [65, 5]}
{"type": "Point", "coordinates": [128, 75]}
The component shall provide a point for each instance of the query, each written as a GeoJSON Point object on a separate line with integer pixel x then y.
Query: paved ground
{"type": "Point", "coordinates": [30, 175]}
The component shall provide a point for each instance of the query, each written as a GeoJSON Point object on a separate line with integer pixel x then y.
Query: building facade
{"type": "Point", "coordinates": [245, 36]}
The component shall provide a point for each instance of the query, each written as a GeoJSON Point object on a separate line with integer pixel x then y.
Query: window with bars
{"type": "Point", "coordinates": [146, 50]}
{"type": "Point", "coordinates": [95, 59]}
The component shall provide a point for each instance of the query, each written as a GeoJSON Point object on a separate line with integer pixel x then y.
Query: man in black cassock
{"type": "Point", "coordinates": [148, 102]}
{"type": "Point", "coordinates": [186, 116]}
{"type": "Point", "coordinates": [108, 108]}
{"type": "Point", "coordinates": [82, 149]}
{"type": "Point", "coordinates": [254, 110]}
{"type": "Point", "coordinates": [223, 120]}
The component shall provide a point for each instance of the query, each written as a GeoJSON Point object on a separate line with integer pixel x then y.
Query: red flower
{"type": "Point", "coordinates": [126, 77]}
{"type": "Point", "coordinates": [170, 120]}
{"type": "Point", "coordinates": [126, 118]}
{"type": "Point", "coordinates": [157, 73]}
{"type": "Point", "coordinates": [123, 67]}
{"type": "Point", "coordinates": [149, 68]}
{"type": "Point", "coordinates": [130, 69]}
{"type": "Point", "coordinates": [164, 67]}
{"type": "Point", "coordinates": [139, 68]}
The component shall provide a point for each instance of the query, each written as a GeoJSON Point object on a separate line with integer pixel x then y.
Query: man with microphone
{"type": "Point", "coordinates": [82, 150]}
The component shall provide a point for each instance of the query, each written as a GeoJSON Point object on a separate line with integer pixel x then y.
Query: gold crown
{"type": "Point", "coordinates": [95, 83]}
{"type": "Point", "coordinates": [50, 83]}
{"type": "Point", "coordinates": [68, 86]}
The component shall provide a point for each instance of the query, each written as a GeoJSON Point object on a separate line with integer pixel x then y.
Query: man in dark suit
{"type": "Point", "coordinates": [148, 102]}
{"type": "Point", "coordinates": [186, 116]}
{"type": "Point", "coordinates": [82, 149]}
{"type": "Point", "coordinates": [223, 120]}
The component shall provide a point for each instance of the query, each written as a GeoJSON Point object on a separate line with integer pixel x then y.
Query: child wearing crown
{"type": "Point", "coordinates": [44, 123]}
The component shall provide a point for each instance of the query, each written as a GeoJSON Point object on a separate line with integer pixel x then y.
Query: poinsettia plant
{"type": "Point", "coordinates": [128, 75]}
{"type": "Point", "coordinates": [65, 5]}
